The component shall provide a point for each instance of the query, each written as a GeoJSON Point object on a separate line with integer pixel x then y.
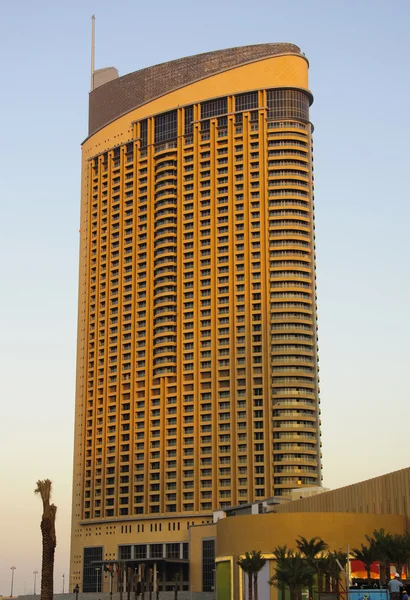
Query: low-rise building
{"type": "Point", "coordinates": [341, 517]}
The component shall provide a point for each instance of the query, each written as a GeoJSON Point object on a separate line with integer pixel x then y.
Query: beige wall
{"type": "Point", "coordinates": [385, 495]}
{"type": "Point", "coordinates": [196, 535]}
{"type": "Point", "coordinates": [237, 535]}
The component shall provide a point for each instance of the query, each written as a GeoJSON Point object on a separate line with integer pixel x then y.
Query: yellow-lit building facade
{"type": "Point", "coordinates": [197, 376]}
{"type": "Point", "coordinates": [342, 517]}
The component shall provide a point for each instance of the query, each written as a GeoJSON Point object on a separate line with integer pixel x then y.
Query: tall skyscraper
{"type": "Point", "coordinates": [197, 376]}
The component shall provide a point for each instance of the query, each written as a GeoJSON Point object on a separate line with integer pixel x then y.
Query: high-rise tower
{"type": "Point", "coordinates": [197, 384]}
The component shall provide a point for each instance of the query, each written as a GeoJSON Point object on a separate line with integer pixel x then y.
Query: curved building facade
{"type": "Point", "coordinates": [197, 375]}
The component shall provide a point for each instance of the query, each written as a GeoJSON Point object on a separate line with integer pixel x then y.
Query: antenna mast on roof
{"type": "Point", "coordinates": [92, 50]}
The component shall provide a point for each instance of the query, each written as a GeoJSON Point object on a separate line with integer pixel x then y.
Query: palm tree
{"type": "Point", "coordinates": [367, 555]}
{"type": "Point", "coordinates": [380, 540]}
{"type": "Point", "coordinates": [251, 564]}
{"type": "Point", "coordinates": [398, 551]}
{"type": "Point", "coordinates": [48, 533]}
{"type": "Point", "coordinates": [295, 572]}
{"type": "Point", "coordinates": [142, 582]}
{"type": "Point", "coordinates": [176, 586]}
{"type": "Point", "coordinates": [245, 564]}
{"type": "Point", "coordinates": [129, 583]}
{"type": "Point", "coordinates": [280, 553]}
{"type": "Point", "coordinates": [330, 565]}
{"type": "Point", "coordinates": [136, 584]}
{"type": "Point", "coordinates": [311, 549]}
{"type": "Point", "coordinates": [258, 562]}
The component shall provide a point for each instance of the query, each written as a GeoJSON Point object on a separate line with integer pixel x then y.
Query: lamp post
{"type": "Point", "coordinates": [12, 581]}
{"type": "Point", "coordinates": [98, 574]}
{"type": "Point", "coordinates": [35, 573]}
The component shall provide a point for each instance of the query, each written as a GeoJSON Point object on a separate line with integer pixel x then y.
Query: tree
{"type": "Point", "coordinates": [142, 581]}
{"type": "Point", "coordinates": [129, 583]}
{"type": "Point", "coordinates": [367, 555]}
{"type": "Point", "coordinates": [380, 540]}
{"type": "Point", "coordinates": [258, 562]}
{"type": "Point", "coordinates": [398, 551]}
{"type": "Point", "coordinates": [311, 550]}
{"type": "Point", "coordinates": [280, 553]}
{"type": "Point", "coordinates": [245, 564]}
{"type": "Point", "coordinates": [293, 571]}
{"type": "Point", "coordinates": [251, 564]}
{"type": "Point", "coordinates": [136, 584]}
{"type": "Point", "coordinates": [176, 586]}
{"type": "Point", "coordinates": [49, 539]}
{"type": "Point", "coordinates": [331, 565]}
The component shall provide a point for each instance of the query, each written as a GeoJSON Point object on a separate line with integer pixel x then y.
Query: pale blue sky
{"type": "Point", "coordinates": [359, 51]}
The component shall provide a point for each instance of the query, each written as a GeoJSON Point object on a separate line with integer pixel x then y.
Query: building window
{"type": "Point", "coordinates": [140, 551]}
{"type": "Point", "coordinates": [213, 108]}
{"type": "Point", "coordinates": [185, 550]}
{"type": "Point", "coordinates": [166, 126]}
{"type": "Point", "coordinates": [246, 101]}
{"type": "Point", "coordinates": [172, 550]}
{"type": "Point", "coordinates": [189, 118]}
{"type": "Point", "coordinates": [124, 552]}
{"type": "Point", "coordinates": [89, 569]}
{"type": "Point", "coordinates": [288, 104]}
{"type": "Point", "coordinates": [155, 551]}
{"type": "Point", "coordinates": [208, 565]}
{"type": "Point", "coordinates": [144, 133]}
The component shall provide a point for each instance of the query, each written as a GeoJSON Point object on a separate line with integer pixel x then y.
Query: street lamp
{"type": "Point", "coordinates": [12, 581]}
{"type": "Point", "coordinates": [35, 573]}
{"type": "Point", "coordinates": [98, 575]}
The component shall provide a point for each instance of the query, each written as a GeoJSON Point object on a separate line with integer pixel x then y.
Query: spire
{"type": "Point", "coordinates": [92, 50]}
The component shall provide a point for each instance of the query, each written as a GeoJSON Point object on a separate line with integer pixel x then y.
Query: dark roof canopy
{"type": "Point", "coordinates": [123, 94]}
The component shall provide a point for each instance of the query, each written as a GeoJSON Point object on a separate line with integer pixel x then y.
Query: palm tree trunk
{"type": "Point", "coordinates": [369, 576]}
{"type": "Point", "coordinates": [136, 587]}
{"type": "Point", "coordinates": [255, 586]}
{"type": "Point", "coordinates": [249, 586]}
{"type": "Point", "coordinates": [47, 566]}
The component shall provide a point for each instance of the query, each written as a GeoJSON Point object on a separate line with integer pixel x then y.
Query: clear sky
{"type": "Point", "coordinates": [359, 52]}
